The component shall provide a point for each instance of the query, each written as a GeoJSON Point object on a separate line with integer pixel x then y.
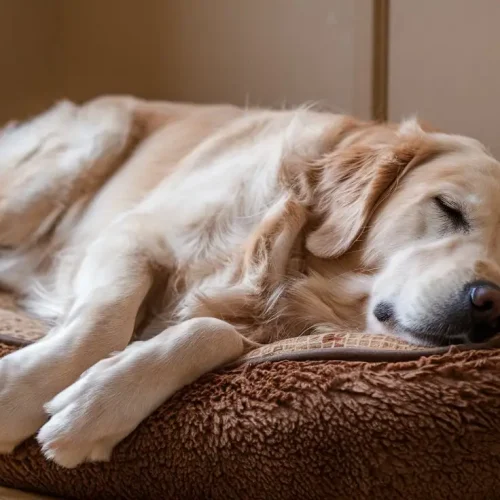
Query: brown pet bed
{"type": "Point", "coordinates": [334, 416]}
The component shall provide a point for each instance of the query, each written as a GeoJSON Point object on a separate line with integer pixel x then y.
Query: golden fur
{"type": "Point", "coordinates": [207, 229]}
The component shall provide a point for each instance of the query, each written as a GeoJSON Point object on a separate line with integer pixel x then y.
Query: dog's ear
{"type": "Point", "coordinates": [355, 180]}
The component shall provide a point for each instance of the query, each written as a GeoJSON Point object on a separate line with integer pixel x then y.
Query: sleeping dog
{"type": "Point", "coordinates": [161, 241]}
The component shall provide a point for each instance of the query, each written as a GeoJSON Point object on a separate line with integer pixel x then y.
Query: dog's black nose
{"type": "Point", "coordinates": [484, 299]}
{"type": "Point", "coordinates": [383, 312]}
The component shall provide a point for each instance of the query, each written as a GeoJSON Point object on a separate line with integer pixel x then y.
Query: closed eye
{"type": "Point", "coordinates": [453, 213]}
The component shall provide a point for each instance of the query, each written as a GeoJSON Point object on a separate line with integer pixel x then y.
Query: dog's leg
{"type": "Point", "coordinates": [109, 288]}
{"type": "Point", "coordinates": [111, 399]}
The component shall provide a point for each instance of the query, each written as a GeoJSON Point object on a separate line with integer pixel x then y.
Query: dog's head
{"type": "Point", "coordinates": [423, 211]}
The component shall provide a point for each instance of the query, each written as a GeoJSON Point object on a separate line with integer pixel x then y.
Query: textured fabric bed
{"type": "Point", "coordinates": [413, 427]}
{"type": "Point", "coordinates": [10, 494]}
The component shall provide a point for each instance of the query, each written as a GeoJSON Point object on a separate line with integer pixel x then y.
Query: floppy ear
{"type": "Point", "coordinates": [354, 181]}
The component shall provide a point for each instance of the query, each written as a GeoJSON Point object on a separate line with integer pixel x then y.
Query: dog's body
{"type": "Point", "coordinates": [211, 229]}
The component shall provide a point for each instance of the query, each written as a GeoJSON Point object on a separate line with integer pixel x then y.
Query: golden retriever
{"type": "Point", "coordinates": [207, 230]}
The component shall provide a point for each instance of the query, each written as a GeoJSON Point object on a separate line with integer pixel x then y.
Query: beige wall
{"type": "Point", "coordinates": [444, 57]}
{"type": "Point", "coordinates": [261, 52]}
{"type": "Point", "coordinates": [29, 63]}
{"type": "Point", "coordinates": [445, 65]}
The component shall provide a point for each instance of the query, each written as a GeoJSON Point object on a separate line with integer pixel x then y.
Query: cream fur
{"type": "Point", "coordinates": [211, 229]}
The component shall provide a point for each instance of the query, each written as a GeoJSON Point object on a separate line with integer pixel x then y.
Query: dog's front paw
{"type": "Point", "coordinates": [21, 412]}
{"type": "Point", "coordinates": [93, 415]}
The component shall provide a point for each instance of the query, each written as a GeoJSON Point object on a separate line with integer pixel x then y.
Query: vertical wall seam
{"type": "Point", "coordinates": [380, 62]}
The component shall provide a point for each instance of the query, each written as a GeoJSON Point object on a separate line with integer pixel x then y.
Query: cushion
{"type": "Point", "coordinates": [340, 415]}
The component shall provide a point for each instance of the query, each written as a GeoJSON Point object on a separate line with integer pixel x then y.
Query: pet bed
{"type": "Point", "coordinates": [340, 415]}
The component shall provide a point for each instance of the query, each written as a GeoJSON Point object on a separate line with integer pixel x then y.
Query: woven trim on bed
{"type": "Point", "coordinates": [16, 327]}
{"type": "Point", "coordinates": [350, 346]}
{"type": "Point", "coordinates": [333, 340]}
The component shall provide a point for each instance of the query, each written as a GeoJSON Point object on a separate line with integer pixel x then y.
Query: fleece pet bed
{"type": "Point", "coordinates": [340, 415]}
